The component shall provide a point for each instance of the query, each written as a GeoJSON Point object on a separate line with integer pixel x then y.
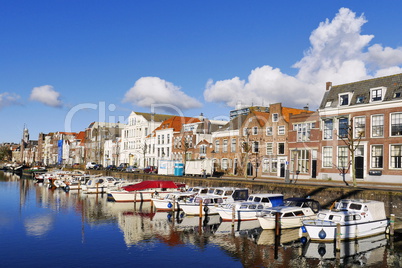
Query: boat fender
{"type": "Point", "coordinates": [303, 240]}
{"type": "Point", "coordinates": [206, 209]}
{"type": "Point", "coordinates": [169, 205]}
{"type": "Point", "coordinates": [304, 230]}
{"type": "Point", "coordinates": [322, 234]}
{"type": "Point", "coordinates": [156, 193]}
{"type": "Point", "coordinates": [67, 188]}
{"type": "Point", "coordinates": [321, 249]}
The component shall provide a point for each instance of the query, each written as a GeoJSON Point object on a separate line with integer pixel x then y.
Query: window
{"type": "Point", "coordinates": [281, 148]}
{"type": "Point", "coordinates": [255, 146]}
{"type": "Point", "coordinates": [159, 139]}
{"type": "Point", "coordinates": [225, 164]}
{"type": "Point", "coordinates": [343, 127]}
{"type": "Point", "coordinates": [359, 124]}
{"type": "Point", "coordinates": [397, 95]}
{"type": "Point", "coordinates": [275, 117]}
{"type": "Point", "coordinates": [344, 99]}
{"type": "Point", "coordinates": [376, 156]}
{"type": "Point", "coordinates": [396, 124]}
{"type": "Point", "coordinates": [270, 150]}
{"type": "Point", "coordinates": [376, 94]}
{"type": "Point", "coordinates": [233, 146]}
{"type": "Point", "coordinates": [163, 139]}
{"type": "Point", "coordinates": [328, 127]}
{"type": "Point", "coordinates": [303, 160]}
{"type": "Point", "coordinates": [168, 138]}
{"type": "Point", "coordinates": [281, 130]}
{"type": "Point", "coordinates": [265, 165]}
{"type": "Point", "coordinates": [327, 156]}
{"type": "Point", "coordinates": [269, 131]}
{"type": "Point", "coordinates": [359, 99]}
{"type": "Point", "coordinates": [396, 156]}
{"type": "Point", "coordinates": [303, 131]}
{"type": "Point", "coordinates": [245, 131]}
{"type": "Point", "coordinates": [255, 130]}
{"type": "Point", "coordinates": [217, 146]}
{"type": "Point", "coordinates": [328, 103]}
{"type": "Point", "coordinates": [225, 146]}
{"type": "Point", "coordinates": [377, 123]}
{"type": "Point", "coordinates": [203, 149]}
{"type": "Point", "coordinates": [342, 156]}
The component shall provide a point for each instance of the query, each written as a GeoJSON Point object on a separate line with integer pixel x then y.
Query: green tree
{"type": "Point", "coordinates": [5, 153]}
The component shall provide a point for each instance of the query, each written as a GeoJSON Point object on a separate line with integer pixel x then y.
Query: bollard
{"type": "Point", "coordinates": [392, 224]}
{"type": "Point", "coordinates": [277, 224]}
{"type": "Point", "coordinates": [200, 208]}
{"type": "Point", "coordinates": [338, 237]}
{"type": "Point", "coordinates": [233, 214]}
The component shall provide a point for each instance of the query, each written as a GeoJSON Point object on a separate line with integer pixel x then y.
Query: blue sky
{"type": "Point", "coordinates": [65, 64]}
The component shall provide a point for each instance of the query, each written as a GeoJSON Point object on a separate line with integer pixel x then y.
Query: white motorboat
{"type": "Point", "coordinates": [144, 191]}
{"type": "Point", "coordinates": [201, 204]}
{"type": "Point", "coordinates": [291, 214]}
{"type": "Point", "coordinates": [171, 200]}
{"type": "Point", "coordinates": [357, 218]}
{"type": "Point", "coordinates": [230, 194]}
{"type": "Point", "coordinates": [246, 210]}
{"type": "Point", "coordinates": [98, 185]}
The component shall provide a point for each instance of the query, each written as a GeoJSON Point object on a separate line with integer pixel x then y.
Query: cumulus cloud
{"type": "Point", "coordinates": [46, 95]}
{"type": "Point", "coordinates": [338, 53]}
{"type": "Point", "coordinates": [7, 99]}
{"type": "Point", "coordinates": [148, 91]}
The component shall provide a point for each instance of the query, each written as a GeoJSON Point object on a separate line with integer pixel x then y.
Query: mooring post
{"type": "Point", "coordinates": [392, 224]}
{"type": "Point", "coordinates": [200, 207]}
{"type": "Point", "coordinates": [277, 224]}
{"type": "Point", "coordinates": [338, 237]}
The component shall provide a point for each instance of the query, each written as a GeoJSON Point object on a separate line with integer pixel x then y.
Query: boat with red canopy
{"type": "Point", "coordinates": [145, 190]}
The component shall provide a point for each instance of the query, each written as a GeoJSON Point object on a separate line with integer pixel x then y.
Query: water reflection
{"type": "Point", "coordinates": [141, 227]}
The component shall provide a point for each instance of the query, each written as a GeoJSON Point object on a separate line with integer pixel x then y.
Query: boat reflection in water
{"type": "Point", "coordinates": [290, 236]}
{"type": "Point", "coordinates": [362, 252]}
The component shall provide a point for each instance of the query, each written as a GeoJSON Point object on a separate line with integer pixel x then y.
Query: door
{"type": "Point", "coordinates": [282, 172]}
{"type": "Point", "coordinates": [314, 169]}
{"type": "Point", "coordinates": [359, 167]}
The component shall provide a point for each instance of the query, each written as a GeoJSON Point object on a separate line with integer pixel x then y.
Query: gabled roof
{"type": "Point", "coordinates": [176, 122]}
{"type": "Point", "coordinates": [154, 117]}
{"type": "Point", "coordinates": [361, 89]}
{"type": "Point", "coordinates": [287, 111]}
{"type": "Point", "coordinates": [234, 124]}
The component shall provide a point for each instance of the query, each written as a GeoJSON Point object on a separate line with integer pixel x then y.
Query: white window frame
{"type": "Point", "coordinates": [374, 154]}
{"type": "Point", "coordinates": [395, 119]}
{"type": "Point", "coordinates": [270, 148]}
{"type": "Point", "coordinates": [359, 127]}
{"type": "Point", "coordinates": [269, 131]}
{"type": "Point", "coordinates": [375, 118]}
{"type": "Point", "coordinates": [281, 130]}
{"type": "Point", "coordinates": [275, 117]}
{"type": "Point", "coordinates": [395, 159]}
{"type": "Point", "coordinates": [374, 96]}
{"type": "Point", "coordinates": [327, 157]}
{"type": "Point", "coordinates": [341, 98]}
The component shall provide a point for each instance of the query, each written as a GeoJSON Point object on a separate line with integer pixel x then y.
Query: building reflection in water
{"type": "Point", "coordinates": [141, 226]}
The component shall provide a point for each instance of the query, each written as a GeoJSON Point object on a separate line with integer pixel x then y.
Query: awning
{"type": "Point", "coordinates": [150, 185]}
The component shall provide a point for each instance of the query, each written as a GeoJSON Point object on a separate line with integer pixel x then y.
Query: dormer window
{"type": "Point", "coordinates": [328, 104]}
{"type": "Point", "coordinates": [397, 95]}
{"type": "Point", "coordinates": [343, 99]}
{"type": "Point", "coordinates": [376, 94]}
{"type": "Point", "coordinates": [359, 99]}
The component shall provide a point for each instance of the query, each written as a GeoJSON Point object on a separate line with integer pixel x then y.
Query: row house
{"type": "Point", "coordinates": [361, 126]}
{"type": "Point", "coordinates": [133, 137]}
{"type": "Point", "coordinates": [95, 136]}
{"type": "Point", "coordinates": [194, 141]}
{"type": "Point", "coordinates": [161, 143]}
{"type": "Point", "coordinates": [255, 144]}
{"type": "Point", "coordinates": [304, 143]}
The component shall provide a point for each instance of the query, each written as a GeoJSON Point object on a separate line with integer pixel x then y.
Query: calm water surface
{"type": "Point", "coordinates": [40, 227]}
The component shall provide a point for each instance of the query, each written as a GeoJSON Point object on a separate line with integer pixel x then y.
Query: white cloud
{"type": "Point", "coordinates": [46, 95]}
{"type": "Point", "coordinates": [148, 91]}
{"type": "Point", "coordinates": [7, 99]}
{"type": "Point", "coordinates": [338, 53]}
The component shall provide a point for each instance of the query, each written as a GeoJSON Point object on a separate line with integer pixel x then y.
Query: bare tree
{"type": "Point", "coordinates": [352, 143]}
{"type": "Point", "coordinates": [144, 151]}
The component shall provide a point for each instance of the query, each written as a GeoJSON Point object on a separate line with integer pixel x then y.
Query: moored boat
{"type": "Point", "coordinates": [246, 210]}
{"type": "Point", "coordinates": [291, 214]}
{"type": "Point", "coordinates": [144, 191]}
{"type": "Point", "coordinates": [357, 218]}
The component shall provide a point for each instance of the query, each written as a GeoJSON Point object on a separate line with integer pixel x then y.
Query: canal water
{"type": "Point", "coordinates": [41, 227]}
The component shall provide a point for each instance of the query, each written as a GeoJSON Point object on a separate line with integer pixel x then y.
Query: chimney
{"type": "Point", "coordinates": [201, 117]}
{"type": "Point", "coordinates": [329, 85]}
{"type": "Point", "coordinates": [306, 107]}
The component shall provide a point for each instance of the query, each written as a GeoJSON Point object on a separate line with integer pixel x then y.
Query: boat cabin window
{"type": "Point", "coordinates": [257, 199]}
{"type": "Point", "coordinates": [218, 192]}
{"type": "Point", "coordinates": [260, 206]}
{"type": "Point", "coordinates": [240, 195]}
{"type": "Point", "coordinates": [288, 214]}
{"type": "Point", "coordinates": [228, 193]}
{"type": "Point", "coordinates": [352, 217]}
{"type": "Point", "coordinates": [204, 191]}
{"type": "Point", "coordinates": [298, 213]}
{"type": "Point", "coordinates": [355, 206]}
{"type": "Point", "coordinates": [250, 198]}
{"type": "Point", "coordinates": [243, 206]}
{"type": "Point", "coordinates": [252, 206]}
{"type": "Point", "coordinates": [100, 181]}
{"type": "Point", "coordinates": [334, 218]}
{"type": "Point", "coordinates": [265, 200]}
{"type": "Point", "coordinates": [321, 216]}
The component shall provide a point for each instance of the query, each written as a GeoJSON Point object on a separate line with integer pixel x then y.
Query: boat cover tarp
{"type": "Point", "coordinates": [150, 185]}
